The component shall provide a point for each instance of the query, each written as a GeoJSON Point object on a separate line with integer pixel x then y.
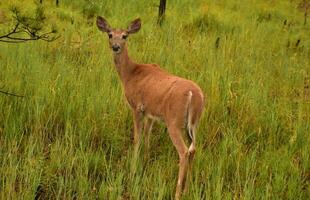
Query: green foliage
{"type": "Point", "coordinates": [70, 136]}
{"type": "Point", "coordinates": [91, 8]}
{"type": "Point", "coordinates": [28, 27]}
{"type": "Point", "coordinates": [35, 22]}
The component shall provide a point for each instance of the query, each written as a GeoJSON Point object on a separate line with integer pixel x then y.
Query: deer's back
{"type": "Point", "coordinates": [154, 91]}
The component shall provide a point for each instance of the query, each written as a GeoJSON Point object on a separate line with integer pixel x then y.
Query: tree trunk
{"type": "Point", "coordinates": [57, 3]}
{"type": "Point", "coordinates": [161, 12]}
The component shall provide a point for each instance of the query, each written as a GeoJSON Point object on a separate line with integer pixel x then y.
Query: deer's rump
{"type": "Point", "coordinates": [157, 94]}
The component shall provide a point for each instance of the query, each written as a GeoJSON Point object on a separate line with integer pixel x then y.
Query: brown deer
{"type": "Point", "coordinates": [153, 93]}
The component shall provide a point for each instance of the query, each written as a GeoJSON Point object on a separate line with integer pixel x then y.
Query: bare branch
{"type": "Point", "coordinates": [10, 94]}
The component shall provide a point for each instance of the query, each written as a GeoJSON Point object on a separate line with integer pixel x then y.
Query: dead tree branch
{"type": "Point", "coordinates": [10, 94]}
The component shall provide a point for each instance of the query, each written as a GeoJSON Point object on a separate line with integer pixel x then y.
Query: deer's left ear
{"type": "Point", "coordinates": [134, 26]}
{"type": "Point", "coordinates": [103, 25]}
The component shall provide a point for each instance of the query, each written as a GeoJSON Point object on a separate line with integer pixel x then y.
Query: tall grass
{"type": "Point", "coordinates": [70, 137]}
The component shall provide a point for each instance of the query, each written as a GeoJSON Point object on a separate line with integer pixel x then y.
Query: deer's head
{"type": "Point", "coordinates": [117, 37]}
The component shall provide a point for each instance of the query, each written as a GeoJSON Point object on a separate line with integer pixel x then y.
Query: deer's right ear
{"type": "Point", "coordinates": [103, 25]}
{"type": "Point", "coordinates": [134, 26]}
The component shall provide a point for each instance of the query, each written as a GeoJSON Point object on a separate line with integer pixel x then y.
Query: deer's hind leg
{"type": "Point", "coordinates": [175, 134]}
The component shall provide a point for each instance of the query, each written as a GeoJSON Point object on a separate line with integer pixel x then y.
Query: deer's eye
{"type": "Point", "coordinates": [110, 35]}
{"type": "Point", "coordinates": [124, 37]}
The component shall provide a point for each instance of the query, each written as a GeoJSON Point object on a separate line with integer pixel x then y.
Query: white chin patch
{"type": "Point", "coordinates": [117, 52]}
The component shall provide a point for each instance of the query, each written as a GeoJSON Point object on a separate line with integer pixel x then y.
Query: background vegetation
{"type": "Point", "coordinates": [70, 136]}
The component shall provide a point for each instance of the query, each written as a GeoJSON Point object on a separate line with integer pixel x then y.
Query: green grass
{"type": "Point", "coordinates": [70, 137]}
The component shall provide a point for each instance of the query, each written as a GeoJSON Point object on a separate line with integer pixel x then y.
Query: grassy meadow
{"type": "Point", "coordinates": [70, 136]}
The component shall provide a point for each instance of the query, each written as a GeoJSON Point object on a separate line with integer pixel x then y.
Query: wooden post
{"type": "Point", "coordinates": [304, 6]}
{"type": "Point", "coordinates": [161, 11]}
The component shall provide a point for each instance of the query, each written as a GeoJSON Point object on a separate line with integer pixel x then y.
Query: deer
{"type": "Point", "coordinates": [154, 94]}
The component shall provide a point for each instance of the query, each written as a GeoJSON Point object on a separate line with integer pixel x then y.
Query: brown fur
{"type": "Point", "coordinates": [154, 93]}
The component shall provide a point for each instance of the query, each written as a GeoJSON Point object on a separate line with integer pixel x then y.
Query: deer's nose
{"type": "Point", "coordinates": [115, 47]}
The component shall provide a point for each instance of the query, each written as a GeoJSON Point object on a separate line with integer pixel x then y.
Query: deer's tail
{"type": "Point", "coordinates": [191, 124]}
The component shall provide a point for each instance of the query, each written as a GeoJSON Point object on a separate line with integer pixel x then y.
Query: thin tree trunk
{"type": "Point", "coordinates": [161, 12]}
{"type": "Point", "coordinates": [57, 3]}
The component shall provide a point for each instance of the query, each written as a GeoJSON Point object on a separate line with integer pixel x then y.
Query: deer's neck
{"type": "Point", "coordinates": [124, 65]}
